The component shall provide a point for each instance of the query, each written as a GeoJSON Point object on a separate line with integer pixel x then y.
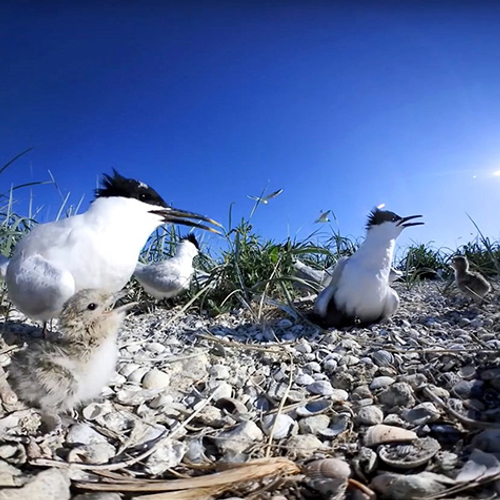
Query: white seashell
{"type": "Point", "coordinates": [156, 379]}
{"type": "Point", "coordinates": [161, 401]}
{"type": "Point", "coordinates": [410, 486]}
{"type": "Point", "coordinates": [409, 456]}
{"type": "Point", "coordinates": [283, 428]}
{"type": "Point", "coordinates": [83, 434]}
{"type": "Point", "coordinates": [314, 408]}
{"type": "Point", "coordinates": [328, 476]}
{"type": "Point", "coordinates": [195, 453]}
{"type": "Point", "coordinates": [381, 433]}
{"type": "Point", "coordinates": [165, 457]}
{"type": "Point", "coordinates": [422, 414]}
{"type": "Point", "coordinates": [338, 424]}
{"type": "Point", "coordinates": [155, 347]}
{"type": "Point", "coordinates": [240, 438]}
{"type": "Point", "coordinates": [321, 387]}
{"type": "Point", "coordinates": [382, 358]}
{"type": "Point", "coordinates": [232, 406]}
{"type": "Point", "coordinates": [136, 376]}
{"type": "Point", "coordinates": [365, 462]}
{"type": "Point", "coordinates": [135, 396]}
{"type": "Point", "coordinates": [95, 410]}
{"type": "Point", "coordinates": [99, 453]}
{"type": "Point", "coordinates": [219, 372]}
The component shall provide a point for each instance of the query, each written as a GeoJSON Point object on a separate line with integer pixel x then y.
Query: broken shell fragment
{"type": "Point", "coordinates": [381, 434]}
{"type": "Point", "coordinates": [409, 455]}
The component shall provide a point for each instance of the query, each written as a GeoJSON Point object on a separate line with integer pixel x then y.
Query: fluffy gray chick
{"type": "Point", "coordinates": [56, 376]}
{"type": "Point", "coordinates": [470, 283]}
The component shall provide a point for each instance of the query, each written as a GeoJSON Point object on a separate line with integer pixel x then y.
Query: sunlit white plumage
{"type": "Point", "coordinates": [4, 262]}
{"type": "Point", "coordinates": [359, 290]}
{"type": "Point", "coordinates": [323, 217]}
{"type": "Point", "coordinates": [265, 199]}
{"type": "Point", "coordinates": [96, 249]}
{"type": "Point", "coordinates": [321, 278]}
{"type": "Point", "coordinates": [168, 278]}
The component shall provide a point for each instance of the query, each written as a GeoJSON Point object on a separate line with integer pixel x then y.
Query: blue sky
{"type": "Point", "coordinates": [342, 106]}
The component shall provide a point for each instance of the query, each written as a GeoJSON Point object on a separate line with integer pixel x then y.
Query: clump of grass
{"type": "Point", "coordinates": [421, 262]}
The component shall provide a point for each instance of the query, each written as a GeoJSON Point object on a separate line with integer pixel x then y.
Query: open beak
{"type": "Point", "coordinates": [404, 221]}
{"type": "Point", "coordinates": [176, 216]}
{"type": "Point", "coordinates": [115, 298]}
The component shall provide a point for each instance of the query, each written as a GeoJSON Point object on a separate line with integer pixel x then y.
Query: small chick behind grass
{"type": "Point", "coordinates": [56, 376]}
{"type": "Point", "coordinates": [472, 284]}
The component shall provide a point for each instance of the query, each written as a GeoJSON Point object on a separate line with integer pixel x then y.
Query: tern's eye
{"type": "Point", "coordinates": [92, 306]}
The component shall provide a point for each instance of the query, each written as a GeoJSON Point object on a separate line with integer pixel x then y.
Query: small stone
{"type": "Point", "coordinates": [165, 457]}
{"type": "Point", "coordinates": [155, 347]}
{"type": "Point", "coordinates": [98, 496]}
{"type": "Point", "coordinates": [304, 445]}
{"type": "Point", "coordinates": [303, 347]}
{"type": "Point", "coordinates": [98, 453]}
{"type": "Point", "coordinates": [51, 484]}
{"type": "Point", "coordinates": [220, 372]}
{"type": "Point", "coordinates": [83, 434]}
{"type": "Point", "coordinates": [369, 415]}
{"type": "Point", "coordinates": [285, 323]}
{"type": "Point", "coordinates": [422, 414]}
{"type": "Point", "coordinates": [239, 438]}
{"type": "Point", "coordinates": [314, 424]}
{"type": "Point", "coordinates": [466, 389]}
{"type": "Point", "coordinates": [399, 394]}
{"type": "Point", "coordinates": [381, 382]}
{"type": "Point", "coordinates": [156, 379]}
{"type": "Point", "coordinates": [304, 379]}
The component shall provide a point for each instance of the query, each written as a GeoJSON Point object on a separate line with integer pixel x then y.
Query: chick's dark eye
{"type": "Point", "coordinates": [92, 306]}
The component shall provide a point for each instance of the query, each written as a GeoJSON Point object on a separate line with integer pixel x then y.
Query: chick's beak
{"type": "Point", "coordinates": [177, 216]}
{"type": "Point", "coordinates": [404, 221]}
{"type": "Point", "coordinates": [115, 298]}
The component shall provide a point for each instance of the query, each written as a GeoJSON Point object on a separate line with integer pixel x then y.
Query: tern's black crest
{"type": "Point", "coordinates": [117, 185]}
{"type": "Point", "coordinates": [191, 237]}
{"type": "Point", "coordinates": [377, 217]}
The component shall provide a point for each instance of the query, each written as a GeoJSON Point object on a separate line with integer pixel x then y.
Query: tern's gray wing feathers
{"type": "Point", "coordinates": [163, 279]}
{"type": "Point", "coordinates": [41, 287]}
{"type": "Point", "coordinates": [326, 296]}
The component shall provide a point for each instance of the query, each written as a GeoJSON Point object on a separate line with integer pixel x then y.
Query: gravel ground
{"type": "Point", "coordinates": [408, 409]}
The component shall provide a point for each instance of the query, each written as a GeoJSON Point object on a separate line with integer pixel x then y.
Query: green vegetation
{"type": "Point", "coordinates": [250, 271]}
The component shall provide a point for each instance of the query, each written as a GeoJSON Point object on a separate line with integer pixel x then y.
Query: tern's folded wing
{"type": "Point", "coordinates": [38, 287]}
{"type": "Point", "coordinates": [326, 295]}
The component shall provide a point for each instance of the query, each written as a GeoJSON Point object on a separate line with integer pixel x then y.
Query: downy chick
{"type": "Point", "coordinates": [56, 376]}
{"type": "Point", "coordinates": [359, 291]}
{"type": "Point", "coordinates": [470, 283]}
{"type": "Point", "coordinates": [168, 278]}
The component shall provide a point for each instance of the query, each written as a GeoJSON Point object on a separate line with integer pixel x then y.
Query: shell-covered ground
{"type": "Point", "coordinates": [255, 408]}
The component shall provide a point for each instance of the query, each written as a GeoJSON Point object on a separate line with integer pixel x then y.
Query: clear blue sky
{"type": "Point", "coordinates": [344, 107]}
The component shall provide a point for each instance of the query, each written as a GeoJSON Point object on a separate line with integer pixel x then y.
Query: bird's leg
{"type": "Point", "coordinates": [44, 330]}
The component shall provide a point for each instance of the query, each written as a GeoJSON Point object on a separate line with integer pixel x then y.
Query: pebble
{"type": "Point", "coordinates": [369, 415]}
{"type": "Point", "coordinates": [83, 434]}
{"type": "Point", "coordinates": [239, 438]}
{"type": "Point", "coordinates": [399, 394]}
{"type": "Point", "coordinates": [314, 424]}
{"type": "Point", "coordinates": [50, 484]}
{"type": "Point", "coordinates": [304, 379]}
{"type": "Point", "coordinates": [156, 379]}
{"type": "Point", "coordinates": [381, 382]}
{"type": "Point", "coordinates": [304, 445]}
